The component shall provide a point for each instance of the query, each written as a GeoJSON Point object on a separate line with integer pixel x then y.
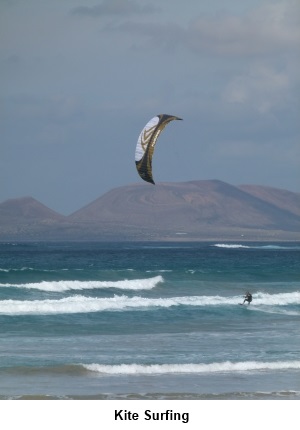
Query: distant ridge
{"type": "Point", "coordinates": [27, 208]}
{"type": "Point", "coordinates": [278, 197]}
{"type": "Point", "coordinates": [26, 218]}
{"type": "Point", "coordinates": [195, 210]}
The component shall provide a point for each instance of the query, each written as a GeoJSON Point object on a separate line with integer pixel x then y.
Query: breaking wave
{"type": "Point", "coordinates": [227, 366]}
{"type": "Point", "coordinates": [62, 286]}
{"type": "Point", "coordinates": [266, 247]}
{"type": "Point", "coordinates": [230, 246]}
{"type": "Point", "coordinates": [81, 304]}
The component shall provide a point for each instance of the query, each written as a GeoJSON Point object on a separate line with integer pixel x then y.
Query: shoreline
{"type": "Point", "coordinates": [274, 395]}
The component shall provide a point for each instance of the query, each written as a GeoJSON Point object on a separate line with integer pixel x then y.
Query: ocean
{"type": "Point", "coordinates": [149, 321]}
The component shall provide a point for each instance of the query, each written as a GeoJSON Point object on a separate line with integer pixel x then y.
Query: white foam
{"type": "Point", "coordinates": [227, 366]}
{"type": "Point", "coordinates": [22, 269]}
{"type": "Point", "coordinates": [62, 286]}
{"type": "Point", "coordinates": [266, 247]}
{"type": "Point", "coordinates": [280, 299]}
{"type": "Point", "coordinates": [280, 247]}
{"type": "Point", "coordinates": [230, 246]}
{"type": "Point", "coordinates": [275, 310]}
{"type": "Point", "coordinates": [81, 304]}
{"type": "Point", "coordinates": [25, 269]}
{"type": "Point", "coordinates": [159, 271]}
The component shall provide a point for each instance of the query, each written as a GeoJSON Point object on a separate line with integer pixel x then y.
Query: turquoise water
{"type": "Point", "coordinates": [149, 320]}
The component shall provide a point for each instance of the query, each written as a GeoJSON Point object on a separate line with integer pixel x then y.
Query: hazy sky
{"type": "Point", "coordinates": [80, 78]}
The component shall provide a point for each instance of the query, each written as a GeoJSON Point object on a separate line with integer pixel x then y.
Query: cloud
{"type": "Point", "coordinates": [153, 35]}
{"type": "Point", "coordinates": [114, 8]}
{"type": "Point", "coordinates": [233, 76]}
{"type": "Point", "coordinates": [271, 29]}
{"type": "Point", "coordinates": [267, 29]}
{"type": "Point", "coordinates": [262, 87]}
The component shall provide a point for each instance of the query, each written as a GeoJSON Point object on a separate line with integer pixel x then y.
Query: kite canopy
{"type": "Point", "coordinates": [146, 144]}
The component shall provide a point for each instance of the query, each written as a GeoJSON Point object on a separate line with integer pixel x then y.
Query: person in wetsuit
{"type": "Point", "coordinates": [248, 298]}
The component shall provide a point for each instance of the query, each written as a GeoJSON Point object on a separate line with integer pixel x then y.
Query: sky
{"type": "Point", "coordinates": [80, 79]}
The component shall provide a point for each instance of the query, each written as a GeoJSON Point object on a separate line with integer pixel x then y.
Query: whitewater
{"type": "Point", "coordinates": [191, 368]}
{"type": "Point", "coordinates": [81, 304]}
{"type": "Point", "coordinates": [61, 286]}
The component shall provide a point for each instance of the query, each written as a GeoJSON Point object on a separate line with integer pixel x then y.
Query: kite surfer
{"type": "Point", "coordinates": [248, 298]}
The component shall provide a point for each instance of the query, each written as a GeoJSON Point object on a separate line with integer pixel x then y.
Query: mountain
{"type": "Point", "coordinates": [195, 210]}
{"type": "Point", "coordinates": [26, 218]}
{"type": "Point", "coordinates": [192, 210]}
{"type": "Point", "coordinates": [26, 208]}
{"type": "Point", "coordinates": [280, 198]}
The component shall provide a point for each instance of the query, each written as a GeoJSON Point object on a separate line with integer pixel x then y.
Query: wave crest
{"type": "Point", "coordinates": [81, 304]}
{"type": "Point", "coordinates": [62, 286]}
{"type": "Point", "coordinates": [227, 366]}
{"type": "Point", "coordinates": [263, 247]}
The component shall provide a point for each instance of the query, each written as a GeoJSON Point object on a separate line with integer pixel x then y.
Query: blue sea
{"type": "Point", "coordinates": [149, 321]}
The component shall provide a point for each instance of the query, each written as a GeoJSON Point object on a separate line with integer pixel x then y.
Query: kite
{"type": "Point", "coordinates": [146, 144]}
